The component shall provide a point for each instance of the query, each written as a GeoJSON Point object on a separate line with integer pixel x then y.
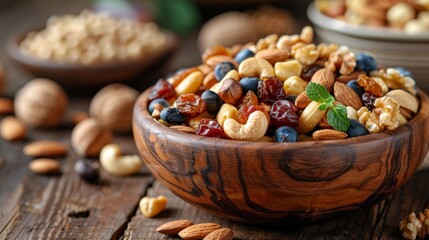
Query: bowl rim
{"type": "Point", "coordinates": [14, 52]}
{"type": "Point", "coordinates": [376, 33]}
{"type": "Point", "coordinates": [142, 118]}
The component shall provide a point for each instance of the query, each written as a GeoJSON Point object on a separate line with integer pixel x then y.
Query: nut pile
{"type": "Point", "coordinates": [411, 16]}
{"type": "Point", "coordinates": [42, 103]}
{"type": "Point", "coordinates": [189, 231]}
{"type": "Point", "coordinates": [413, 226]}
{"type": "Point", "coordinates": [91, 38]}
{"type": "Point", "coordinates": [286, 88]}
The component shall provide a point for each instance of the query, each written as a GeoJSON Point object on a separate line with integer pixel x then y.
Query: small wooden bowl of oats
{"type": "Point", "coordinates": [90, 49]}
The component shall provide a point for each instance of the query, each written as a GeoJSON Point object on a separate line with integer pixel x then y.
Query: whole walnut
{"type": "Point", "coordinates": [41, 103]}
{"type": "Point", "coordinates": [89, 137]}
{"type": "Point", "coordinates": [113, 107]}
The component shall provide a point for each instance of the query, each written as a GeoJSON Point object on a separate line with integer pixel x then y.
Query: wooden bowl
{"type": "Point", "coordinates": [72, 75]}
{"type": "Point", "coordinates": [290, 183]}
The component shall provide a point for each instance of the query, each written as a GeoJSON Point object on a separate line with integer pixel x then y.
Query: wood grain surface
{"type": "Point", "coordinates": [65, 207]}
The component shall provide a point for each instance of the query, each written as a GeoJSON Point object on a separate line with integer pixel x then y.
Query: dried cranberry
{"type": "Point", "coordinates": [270, 89]}
{"type": "Point", "coordinates": [368, 100]}
{"type": "Point", "coordinates": [190, 105]}
{"type": "Point", "coordinates": [162, 89]}
{"type": "Point", "coordinates": [210, 128]}
{"type": "Point", "coordinates": [284, 113]}
{"type": "Point", "coordinates": [307, 73]}
{"type": "Point", "coordinates": [246, 110]}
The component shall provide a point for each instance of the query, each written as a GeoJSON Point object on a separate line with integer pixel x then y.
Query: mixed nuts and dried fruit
{"type": "Point", "coordinates": [411, 16]}
{"type": "Point", "coordinates": [287, 88]}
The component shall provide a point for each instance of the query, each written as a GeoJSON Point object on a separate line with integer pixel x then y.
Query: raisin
{"type": "Point", "coordinates": [284, 113]}
{"type": "Point", "coordinates": [270, 89]}
{"type": "Point", "coordinates": [246, 110]}
{"type": "Point", "coordinates": [162, 89]}
{"type": "Point", "coordinates": [210, 128]}
{"type": "Point", "coordinates": [368, 100]}
{"type": "Point", "coordinates": [249, 99]}
{"type": "Point", "coordinates": [307, 73]}
{"type": "Point", "coordinates": [190, 105]}
{"type": "Point", "coordinates": [370, 85]}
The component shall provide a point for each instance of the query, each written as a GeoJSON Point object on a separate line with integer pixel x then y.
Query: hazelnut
{"type": "Point", "coordinates": [41, 103]}
{"type": "Point", "coordinates": [230, 91]}
{"type": "Point", "coordinates": [113, 107]}
{"type": "Point", "coordinates": [89, 137]}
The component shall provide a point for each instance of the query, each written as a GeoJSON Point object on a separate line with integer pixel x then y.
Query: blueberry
{"type": "Point", "coordinates": [285, 134]}
{"type": "Point", "coordinates": [172, 116]}
{"type": "Point", "coordinates": [354, 85]}
{"type": "Point", "coordinates": [249, 84]}
{"type": "Point", "coordinates": [222, 69]}
{"type": "Point", "coordinates": [365, 62]}
{"type": "Point", "coordinates": [212, 100]}
{"type": "Point", "coordinates": [87, 171]}
{"type": "Point", "coordinates": [243, 54]}
{"type": "Point", "coordinates": [404, 72]}
{"type": "Point", "coordinates": [356, 129]}
{"type": "Point", "coordinates": [161, 101]}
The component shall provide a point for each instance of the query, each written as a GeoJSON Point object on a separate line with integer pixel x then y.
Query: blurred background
{"type": "Point", "coordinates": [196, 24]}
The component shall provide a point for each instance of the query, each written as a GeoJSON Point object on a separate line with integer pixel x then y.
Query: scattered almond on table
{"type": "Point", "coordinates": [6, 106]}
{"type": "Point", "coordinates": [186, 230]}
{"type": "Point", "coordinates": [45, 166]}
{"type": "Point", "coordinates": [11, 129]}
{"type": "Point", "coordinates": [45, 148]}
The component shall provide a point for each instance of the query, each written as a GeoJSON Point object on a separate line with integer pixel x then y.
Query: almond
{"type": "Point", "coordinates": [6, 106]}
{"type": "Point", "coordinates": [328, 134]}
{"type": "Point", "coordinates": [183, 128]}
{"type": "Point", "coordinates": [174, 227]}
{"type": "Point", "coordinates": [198, 231]}
{"type": "Point", "coordinates": [347, 96]}
{"type": "Point", "coordinates": [220, 234]}
{"type": "Point", "coordinates": [45, 148]}
{"type": "Point", "coordinates": [273, 55]}
{"type": "Point", "coordinates": [11, 129]}
{"type": "Point", "coordinates": [44, 166]}
{"type": "Point", "coordinates": [302, 100]}
{"type": "Point", "coordinates": [324, 77]}
{"type": "Point", "coordinates": [209, 80]}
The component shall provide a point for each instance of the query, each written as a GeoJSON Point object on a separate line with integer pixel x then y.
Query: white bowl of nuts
{"type": "Point", "coordinates": [393, 44]}
{"type": "Point", "coordinates": [90, 49]}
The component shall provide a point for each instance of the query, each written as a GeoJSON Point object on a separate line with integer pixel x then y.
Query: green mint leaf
{"type": "Point", "coordinates": [337, 118]}
{"type": "Point", "coordinates": [326, 105]}
{"type": "Point", "coordinates": [318, 93]}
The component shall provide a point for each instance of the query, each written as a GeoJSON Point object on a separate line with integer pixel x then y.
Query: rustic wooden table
{"type": "Point", "coordinates": [65, 207]}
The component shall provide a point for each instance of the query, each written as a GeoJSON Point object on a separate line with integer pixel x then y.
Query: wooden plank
{"type": "Point", "coordinates": [64, 206]}
{"type": "Point", "coordinates": [379, 222]}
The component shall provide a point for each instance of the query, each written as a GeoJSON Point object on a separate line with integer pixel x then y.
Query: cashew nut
{"type": "Point", "coordinates": [190, 84]}
{"type": "Point", "coordinates": [254, 129]}
{"type": "Point", "coordinates": [226, 111]}
{"type": "Point", "coordinates": [113, 162]}
{"type": "Point", "coordinates": [151, 207]}
{"type": "Point", "coordinates": [255, 67]}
